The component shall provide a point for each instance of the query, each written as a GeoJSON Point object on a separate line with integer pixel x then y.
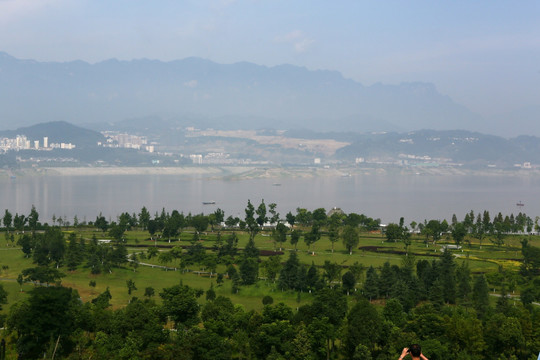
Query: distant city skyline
{"type": "Point", "coordinates": [482, 54]}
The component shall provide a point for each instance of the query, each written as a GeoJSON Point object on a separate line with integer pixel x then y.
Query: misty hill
{"type": "Point", "coordinates": [460, 146]}
{"type": "Point", "coordinates": [58, 132]}
{"type": "Point", "coordinates": [201, 93]}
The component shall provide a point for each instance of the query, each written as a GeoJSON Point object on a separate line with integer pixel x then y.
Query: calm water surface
{"type": "Point", "coordinates": [380, 196]}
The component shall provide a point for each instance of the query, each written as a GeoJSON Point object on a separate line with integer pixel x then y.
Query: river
{"type": "Point", "coordinates": [385, 196]}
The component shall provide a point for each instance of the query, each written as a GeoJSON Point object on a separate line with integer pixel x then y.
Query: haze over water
{"type": "Point", "coordinates": [416, 197]}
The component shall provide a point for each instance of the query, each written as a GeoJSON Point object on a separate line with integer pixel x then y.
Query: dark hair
{"type": "Point", "coordinates": [415, 350]}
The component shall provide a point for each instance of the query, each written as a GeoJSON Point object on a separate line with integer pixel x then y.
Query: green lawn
{"type": "Point", "coordinates": [485, 259]}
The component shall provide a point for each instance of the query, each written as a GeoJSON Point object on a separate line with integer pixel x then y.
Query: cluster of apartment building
{"type": "Point", "coordinates": [128, 141]}
{"type": "Point", "coordinates": [21, 142]}
{"type": "Point", "coordinates": [214, 158]}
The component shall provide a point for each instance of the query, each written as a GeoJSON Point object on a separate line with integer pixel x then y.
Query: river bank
{"type": "Point", "coordinates": [256, 172]}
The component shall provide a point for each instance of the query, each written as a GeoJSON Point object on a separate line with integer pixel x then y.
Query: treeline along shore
{"type": "Point", "coordinates": [311, 284]}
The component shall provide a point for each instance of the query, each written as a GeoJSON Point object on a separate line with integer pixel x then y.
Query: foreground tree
{"type": "Point", "coordinates": [49, 317]}
{"type": "Point", "coordinates": [3, 296]}
{"type": "Point", "coordinates": [363, 327]}
{"type": "Point", "coordinates": [180, 304]}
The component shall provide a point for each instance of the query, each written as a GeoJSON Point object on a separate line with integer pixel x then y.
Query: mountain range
{"type": "Point", "coordinates": [201, 93]}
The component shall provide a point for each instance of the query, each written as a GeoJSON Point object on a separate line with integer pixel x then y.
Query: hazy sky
{"type": "Point", "coordinates": [483, 54]}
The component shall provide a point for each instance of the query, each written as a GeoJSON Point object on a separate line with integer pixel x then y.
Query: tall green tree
{"type": "Point", "coordinates": [434, 228]}
{"type": "Point", "coordinates": [101, 223]}
{"type": "Point", "coordinates": [351, 238]}
{"type": "Point", "coordinates": [33, 219]}
{"type": "Point", "coordinates": [348, 281]}
{"type": "Point", "coordinates": [200, 223]}
{"type": "Point", "coordinates": [74, 254]}
{"type": "Point", "coordinates": [288, 276]}
{"type": "Point", "coordinates": [249, 270]}
{"type": "Point", "coordinates": [392, 232]}
{"type": "Point", "coordinates": [464, 289]}
{"type": "Point", "coordinates": [295, 237]}
{"type": "Point", "coordinates": [49, 247]}
{"type": "Point", "coordinates": [303, 217]}
{"type": "Point", "coordinates": [175, 223]}
{"type": "Point", "coordinates": [393, 311]}
{"type": "Point", "coordinates": [262, 217]}
{"type": "Point", "coordinates": [447, 276]}
{"type": "Point", "coordinates": [387, 280]}
{"type": "Point", "coordinates": [459, 231]}
{"type": "Point", "coordinates": [334, 223]}
{"type": "Point", "coordinates": [481, 227]}
{"type": "Point", "coordinates": [131, 286]}
{"type": "Point", "coordinates": [291, 219]}
{"type": "Point", "coordinates": [249, 264]}
{"type": "Point", "coordinates": [251, 224]}
{"type": "Point", "coordinates": [332, 272]}
{"type": "Point", "coordinates": [7, 220]}
{"type": "Point", "coordinates": [371, 285]}
{"type": "Point", "coordinates": [279, 234]}
{"type": "Point", "coordinates": [319, 216]}
{"type": "Point", "coordinates": [272, 267]}
{"type": "Point", "coordinates": [19, 222]}
{"type": "Point", "coordinates": [480, 296]}
{"type": "Point", "coordinates": [312, 237]}
{"type": "Point", "coordinates": [144, 218]}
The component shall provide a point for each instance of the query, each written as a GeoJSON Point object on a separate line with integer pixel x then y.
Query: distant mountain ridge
{"type": "Point", "coordinates": [240, 95]}
{"type": "Point", "coordinates": [58, 132]}
{"type": "Point", "coordinates": [461, 146]}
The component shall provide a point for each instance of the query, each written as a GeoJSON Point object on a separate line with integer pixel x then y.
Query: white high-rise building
{"type": "Point", "coordinates": [36, 144]}
{"type": "Point", "coordinates": [45, 142]}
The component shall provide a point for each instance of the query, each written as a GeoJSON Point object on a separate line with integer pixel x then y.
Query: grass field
{"type": "Point", "coordinates": [373, 250]}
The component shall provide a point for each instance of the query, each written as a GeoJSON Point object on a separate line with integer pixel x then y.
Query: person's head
{"type": "Point", "coordinates": [415, 350]}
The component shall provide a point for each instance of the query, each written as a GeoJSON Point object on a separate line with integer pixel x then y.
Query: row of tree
{"type": "Point", "coordinates": [310, 225]}
{"type": "Point", "coordinates": [479, 228]}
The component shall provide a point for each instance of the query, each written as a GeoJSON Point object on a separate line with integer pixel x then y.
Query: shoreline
{"type": "Point", "coordinates": [254, 172]}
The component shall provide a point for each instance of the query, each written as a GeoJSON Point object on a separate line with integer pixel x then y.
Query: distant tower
{"type": "Point", "coordinates": [36, 144]}
{"type": "Point", "coordinates": [45, 142]}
